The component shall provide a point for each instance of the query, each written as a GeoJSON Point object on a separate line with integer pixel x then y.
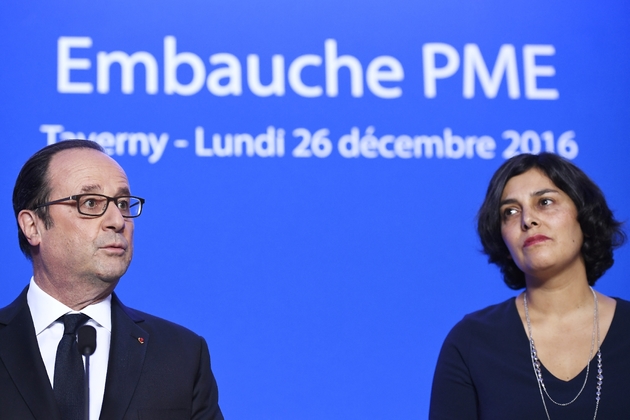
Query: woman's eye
{"type": "Point", "coordinates": [546, 201]}
{"type": "Point", "coordinates": [509, 212]}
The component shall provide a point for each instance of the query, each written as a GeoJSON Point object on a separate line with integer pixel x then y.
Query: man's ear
{"type": "Point", "coordinates": [27, 220]}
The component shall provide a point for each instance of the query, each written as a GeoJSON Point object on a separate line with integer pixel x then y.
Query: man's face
{"type": "Point", "coordinates": [78, 247]}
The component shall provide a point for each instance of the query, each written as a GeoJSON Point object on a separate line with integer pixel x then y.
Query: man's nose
{"type": "Point", "coordinates": [113, 218]}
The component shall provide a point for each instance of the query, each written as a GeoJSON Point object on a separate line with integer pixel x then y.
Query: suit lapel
{"type": "Point", "coordinates": [126, 357]}
{"type": "Point", "coordinates": [20, 355]}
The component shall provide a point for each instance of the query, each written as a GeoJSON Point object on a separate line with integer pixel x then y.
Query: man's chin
{"type": "Point", "coordinates": [112, 274]}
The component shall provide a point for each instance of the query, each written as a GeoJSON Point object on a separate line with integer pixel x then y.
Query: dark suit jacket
{"type": "Point", "coordinates": [157, 370]}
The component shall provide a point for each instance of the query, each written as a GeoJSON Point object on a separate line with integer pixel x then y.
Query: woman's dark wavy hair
{"type": "Point", "coordinates": [602, 233]}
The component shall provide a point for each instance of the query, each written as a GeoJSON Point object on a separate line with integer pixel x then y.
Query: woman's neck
{"type": "Point", "coordinates": [559, 295]}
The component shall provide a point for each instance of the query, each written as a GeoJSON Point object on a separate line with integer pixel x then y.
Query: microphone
{"type": "Point", "coordinates": [87, 340]}
{"type": "Point", "coordinates": [86, 343]}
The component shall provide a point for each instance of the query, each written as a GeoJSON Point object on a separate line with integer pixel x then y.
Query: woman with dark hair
{"type": "Point", "coordinates": [558, 350]}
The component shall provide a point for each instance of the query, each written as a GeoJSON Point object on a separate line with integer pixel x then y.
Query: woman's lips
{"type": "Point", "coordinates": [536, 239]}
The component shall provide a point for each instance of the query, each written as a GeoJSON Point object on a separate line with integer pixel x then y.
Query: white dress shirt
{"type": "Point", "coordinates": [45, 311]}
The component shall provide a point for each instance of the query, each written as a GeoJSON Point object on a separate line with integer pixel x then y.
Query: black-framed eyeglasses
{"type": "Point", "coordinates": [96, 204]}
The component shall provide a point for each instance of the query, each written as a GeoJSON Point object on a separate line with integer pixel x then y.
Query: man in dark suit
{"type": "Point", "coordinates": [75, 214]}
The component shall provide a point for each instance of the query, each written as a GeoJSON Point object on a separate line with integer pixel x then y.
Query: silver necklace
{"type": "Point", "coordinates": [538, 372]}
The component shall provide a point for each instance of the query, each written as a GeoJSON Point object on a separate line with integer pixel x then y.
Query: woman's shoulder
{"type": "Point", "coordinates": [491, 314]}
{"type": "Point", "coordinates": [499, 318]}
{"type": "Point", "coordinates": [624, 304]}
{"type": "Point", "coordinates": [622, 310]}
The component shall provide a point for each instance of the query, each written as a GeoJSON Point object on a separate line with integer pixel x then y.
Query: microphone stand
{"type": "Point", "coordinates": [87, 345]}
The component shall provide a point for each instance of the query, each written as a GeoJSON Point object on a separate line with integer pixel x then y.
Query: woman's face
{"type": "Point", "coordinates": [539, 226]}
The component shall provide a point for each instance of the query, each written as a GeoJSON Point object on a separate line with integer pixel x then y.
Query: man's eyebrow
{"type": "Point", "coordinates": [97, 189]}
{"type": "Point", "coordinates": [123, 191]}
{"type": "Point", "coordinates": [91, 188]}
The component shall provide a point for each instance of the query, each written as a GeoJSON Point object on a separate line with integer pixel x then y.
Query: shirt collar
{"type": "Point", "coordinates": [45, 309]}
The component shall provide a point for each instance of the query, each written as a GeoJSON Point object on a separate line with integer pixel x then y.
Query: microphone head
{"type": "Point", "coordinates": [86, 341]}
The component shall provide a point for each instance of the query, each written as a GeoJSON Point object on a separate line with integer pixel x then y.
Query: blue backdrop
{"type": "Point", "coordinates": [312, 169]}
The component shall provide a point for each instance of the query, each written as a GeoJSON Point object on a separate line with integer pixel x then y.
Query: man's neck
{"type": "Point", "coordinates": [75, 294]}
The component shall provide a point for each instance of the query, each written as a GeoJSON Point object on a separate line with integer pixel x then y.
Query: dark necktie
{"type": "Point", "coordinates": [69, 371]}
